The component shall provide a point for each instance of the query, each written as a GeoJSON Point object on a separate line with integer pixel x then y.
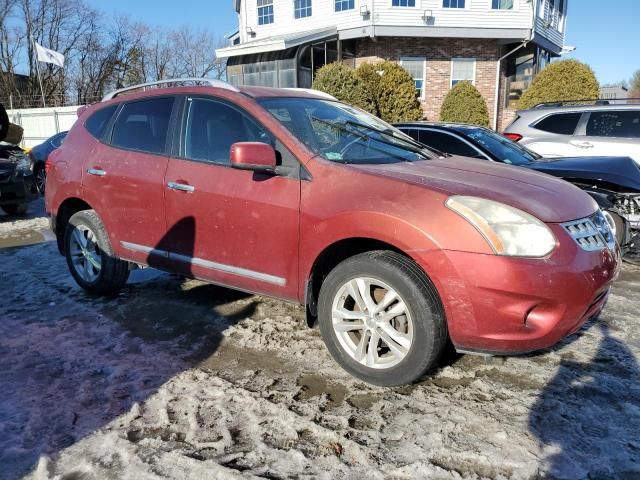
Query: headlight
{"type": "Point", "coordinates": [508, 231]}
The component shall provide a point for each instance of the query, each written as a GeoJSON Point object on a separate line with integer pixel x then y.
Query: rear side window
{"type": "Point", "coordinates": [614, 124]}
{"type": "Point", "coordinates": [560, 123]}
{"type": "Point", "coordinates": [447, 143]}
{"type": "Point", "coordinates": [97, 123]}
{"type": "Point", "coordinates": [143, 125]}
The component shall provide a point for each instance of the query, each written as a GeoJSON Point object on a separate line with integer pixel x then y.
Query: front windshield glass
{"type": "Point", "coordinates": [503, 149]}
{"type": "Point", "coordinates": [344, 134]}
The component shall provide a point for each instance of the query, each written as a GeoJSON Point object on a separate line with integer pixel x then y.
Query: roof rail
{"type": "Point", "coordinates": [178, 82]}
{"type": "Point", "coordinates": [319, 93]}
{"type": "Point", "coordinates": [599, 101]}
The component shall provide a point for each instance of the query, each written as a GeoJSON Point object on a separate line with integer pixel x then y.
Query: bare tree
{"type": "Point", "coordinates": [193, 53]}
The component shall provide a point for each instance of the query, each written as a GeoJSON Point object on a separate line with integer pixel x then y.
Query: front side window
{"type": "Point", "coordinates": [342, 5]}
{"type": "Point", "coordinates": [614, 124]}
{"type": "Point", "coordinates": [452, 3]}
{"type": "Point", "coordinates": [97, 123]}
{"type": "Point", "coordinates": [403, 3]}
{"type": "Point", "coordinates": [212, 127]}
{"type": "Point", "coordinates": [415, 67]}
{"type": "Point", "coordinates": [302, 8]}
{"type": "Point", "coordinates": [265, 12]}
{"type": "Point", "coordinates": [502, 4]}
{"type": "Point", "coordinates": [143, 125]}
{"type": "Point", "coordinates": [447, 143]}
{"type": "Point", "coordinates": [343, 134]}
{"type": "Point", "coordinates": [560, 123]}
{"type": "Point", "coordinates": [463, 69]}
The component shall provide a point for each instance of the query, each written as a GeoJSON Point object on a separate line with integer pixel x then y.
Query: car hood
{"type": "Point", "coordinates": [547, 198]}
{"type": "Point", "coordinates": [622, 171]}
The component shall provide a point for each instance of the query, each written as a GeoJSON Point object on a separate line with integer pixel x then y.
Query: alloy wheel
{"type": "Point", "coordinates": [372, 323]}
{"type": "Point", "coordinates": [86, 256]}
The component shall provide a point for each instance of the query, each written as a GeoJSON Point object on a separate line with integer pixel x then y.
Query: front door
{"type": "Point", "coordinates": [229, 226]}
{"type": "Point", "coordinates": [124, 177]}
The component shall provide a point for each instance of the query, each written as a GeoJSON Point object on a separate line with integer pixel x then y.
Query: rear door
{"type": "Point", "coordinates": [612, 133]}
{"type": "Point", "coordinates": [555, 136]}
{"type": "Point", "coordinates": [124, 177]}
{"type": "Point", "coordinates": [232, 227]}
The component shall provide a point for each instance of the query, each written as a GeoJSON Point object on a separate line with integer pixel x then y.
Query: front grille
{"type": "Point", "coordinates": [592, 233]}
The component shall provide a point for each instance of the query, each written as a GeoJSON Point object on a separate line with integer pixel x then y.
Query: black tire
{"type": "Point", "coordinates": [114, 272]}
{"type": "Point", "coordinates": [619, 224]}
{"type": "Point", "coordinates": [40, 178]}
{"type": "Point", "coordinates": [15, 209]}
{"type": "Point", "coordinates": [422, 301]}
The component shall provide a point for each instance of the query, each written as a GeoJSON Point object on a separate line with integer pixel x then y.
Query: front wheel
{"type": "Point", "coordinates": [40, 175]}
{"type": "Point", "coordinates": [90, 257]}
{"type": "Point", "coordinates": [617, 225]}
{"type": "Point", "coordinates": [382, 319]}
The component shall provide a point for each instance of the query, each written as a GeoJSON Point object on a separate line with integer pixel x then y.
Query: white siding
{"type": "Point", "coordinates": [477, 14]}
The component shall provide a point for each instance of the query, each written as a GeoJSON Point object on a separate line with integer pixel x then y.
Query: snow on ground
{"type": "Point", "coordinates": [178, 379]}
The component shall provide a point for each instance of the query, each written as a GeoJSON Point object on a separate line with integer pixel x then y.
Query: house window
{"type": "Point", "coordinates": [403, 3]}
{"type": "Point", "coordinates": [415, 67]}
{"type": "Point", "coordinates": [502, 4]}
{"type": "Point", "coordinates": [302, 8]}
{"type": "Point", "coordinates": [342, 5]}
{"type": "Point", "coordinates": [452, 3]}
{"type": "Point", "coordinates": [463, 69]}
{"type": "Point", "coordinates": [265, 12]}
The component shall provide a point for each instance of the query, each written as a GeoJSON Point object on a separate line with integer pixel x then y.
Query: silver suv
{"type": "Point", "coordinates": [562, 130]}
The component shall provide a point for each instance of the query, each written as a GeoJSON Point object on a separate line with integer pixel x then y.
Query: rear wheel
{"type": "Point", "coordinates": [381, 318]}
{"type": "Point", "coordinates": [90, 257]}
{"type": "Point", "coordinates": [15, 209]}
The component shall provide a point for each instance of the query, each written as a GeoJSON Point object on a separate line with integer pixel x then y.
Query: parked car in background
{"type": "Point", "coordinates": [17, 185]}
{"type": "Point", "coordinates": [292, 194]}
{"type": "Point", "coordinates": [39, 155]}
{"type": "Point", "coordinates": [563, 130]}
{"type": "Point", "coordinates": [614, 182]}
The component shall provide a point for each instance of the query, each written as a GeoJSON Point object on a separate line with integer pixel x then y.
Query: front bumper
{"type": "Point", "coordinates": [506, 305]}
{"type": "Point", "coordinates": [17, 188]}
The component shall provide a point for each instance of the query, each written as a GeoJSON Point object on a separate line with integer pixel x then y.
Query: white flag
{"type": "Point", "coordinates": [49, 56]}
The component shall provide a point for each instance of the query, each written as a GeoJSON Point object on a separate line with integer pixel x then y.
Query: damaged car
{"type": "Point", "coordinates": [613, 182]}
{"type": "Point", "coordinates": [17, 184]}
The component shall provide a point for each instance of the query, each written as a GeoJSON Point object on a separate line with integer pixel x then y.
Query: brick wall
{"type": "Point", "coordinates": [438, 53]}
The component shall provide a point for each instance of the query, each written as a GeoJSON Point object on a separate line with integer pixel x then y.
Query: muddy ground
{"type": "Point", "coordinates": [178, 379]}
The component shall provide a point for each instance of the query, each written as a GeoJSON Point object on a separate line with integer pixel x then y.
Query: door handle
{"type": "Point", "coordinates": [582, 144]}
{"type": "Point", "coordinates": [96, 172]}
{"type": "Point", "coordinates": [181, 187]}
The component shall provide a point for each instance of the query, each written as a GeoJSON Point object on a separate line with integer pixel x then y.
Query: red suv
{"type": "Point", "coordinates": [393, 249]}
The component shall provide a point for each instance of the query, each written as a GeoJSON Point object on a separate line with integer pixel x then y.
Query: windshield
{"type": "Point", "coordinates": [344, 134]}
{"type": "Point", "coordinates": [503, 149]}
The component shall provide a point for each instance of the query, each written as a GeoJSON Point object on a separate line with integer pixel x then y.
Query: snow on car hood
{"type": "Point", "coordinates": [543, 196]}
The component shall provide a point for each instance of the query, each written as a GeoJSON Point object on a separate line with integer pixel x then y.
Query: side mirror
{"type": "Point", "coordinates": [254, 156]}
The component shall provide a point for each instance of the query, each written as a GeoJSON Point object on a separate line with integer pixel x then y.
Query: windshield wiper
{"type": "Point", "coordinates": [417, 148]}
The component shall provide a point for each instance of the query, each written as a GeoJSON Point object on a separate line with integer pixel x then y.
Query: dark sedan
{"type": "Point", "coordinates": [614, 182]}
{"type": "Point", "coordinates": [39, 155]}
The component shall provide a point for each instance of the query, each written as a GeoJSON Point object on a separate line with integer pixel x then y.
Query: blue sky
{"type": "Point", "coordinates": [606, 34]}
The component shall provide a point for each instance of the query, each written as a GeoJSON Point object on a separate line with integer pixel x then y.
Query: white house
{"type": "Point", "coordinates": [499, 45]}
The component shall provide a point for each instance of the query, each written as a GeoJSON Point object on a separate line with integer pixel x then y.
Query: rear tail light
{"type": "Point", "coordinates": [47, 165]}
{"type": "Point", "coordinates": [516, 137]}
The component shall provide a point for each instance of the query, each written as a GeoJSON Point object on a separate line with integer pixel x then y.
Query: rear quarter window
{"type": "Point", "coordinates": [614, 124]}
{"type": "Point", "coordinates": [560, 123]}
{"type": "Point", "coordinates": [97, 123]}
